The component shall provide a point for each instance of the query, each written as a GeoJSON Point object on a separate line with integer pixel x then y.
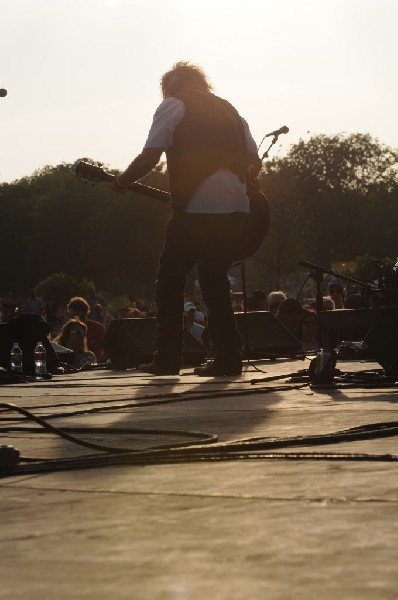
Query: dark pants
{"type": "Point", "coordinates": [210, 241]}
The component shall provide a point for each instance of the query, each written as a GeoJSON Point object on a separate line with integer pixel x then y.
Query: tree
{"type": "Point", "coordinates": [331, 198]}
{"type": "Point", "coordinates": [60, 288]}
{"type": "Point", "coordinates": [334, 182]}
{"type": "Point", "coordinates": [54, 223]}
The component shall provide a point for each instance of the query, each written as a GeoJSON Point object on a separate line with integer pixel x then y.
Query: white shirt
{"type": "Point", "coordinates": [223, 191]}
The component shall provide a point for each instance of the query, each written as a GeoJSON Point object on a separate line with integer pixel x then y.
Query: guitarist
{"type": "Point", "coordinates": [209, 151]}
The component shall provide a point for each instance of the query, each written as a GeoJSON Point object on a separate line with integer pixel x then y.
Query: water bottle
{"type": "Point", "coordinates": [395, 267]}
{"type": "Point", "coordinates": [40, 360]}
{"type": "Point", "coordinates": [321, 361]}
{"type": "Point", "coordinates": [16, 358]}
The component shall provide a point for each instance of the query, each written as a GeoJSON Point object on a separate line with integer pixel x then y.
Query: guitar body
{"type": "Point", "coordinates": [257, 222]}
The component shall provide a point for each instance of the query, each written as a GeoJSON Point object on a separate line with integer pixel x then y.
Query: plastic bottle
{"type": "Point", "coordinates": [16, 358]}
{"type": "Point", "coordinates": [395, 267]}
{"type": "Point", "coordinates": [321, 361]}
{"type": "Point", "coordinates": [40, 360]}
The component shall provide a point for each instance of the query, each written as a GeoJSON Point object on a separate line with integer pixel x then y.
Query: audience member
{"type": "Point", "coordinates": [53, 316]}
{"type": "Point", "coordinates": [195, 329]}
{"type": "Point", "coordinates": [257, 300]}
{"type": "Point", "coordinates": [336, 293]}
{"type": "Point", "coordinates": [33, 305]}
{"type": "Point", "coordinates": [289, 311]}
{"type": "Point", "coordinates": [200, 316]}
{"type": "Point", "coordinates": [123, 313]}
{"type": "Point", "coordinates": [73, 335]}
{"type": "Point", "coordinates": [8, 306]}
{"type": "Point", "coordinates": [274, 299]}
{"type": "Point", "coordinates": [328, 303]}
{"type": "Point", "coordinates": [307, 331]}
{"type": "Point", "coordinates": [237, 301]}
{"type": "Point", "coordinates": [143, 308]}
{"type": "Point", "coordinates": [79, 307]}
{"type": "Point", "coordinates": [97, 314]}
{"type": "Point", "coordinates": [93, 297]}
{"type": "Point", "coordinates": [134, 306]}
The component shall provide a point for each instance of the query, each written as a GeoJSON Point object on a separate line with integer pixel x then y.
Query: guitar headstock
{"type": "Point", "coordinates": [91, 172]}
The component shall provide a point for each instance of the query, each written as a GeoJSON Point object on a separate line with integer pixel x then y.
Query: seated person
{"type": "Point", "coordinates": [273, 301]}
{"type": "Point", "coordinates": [194, 328]}
{"type": "Point", "coordinates": [328, 303]}
{"type": "Point", "coordinates": [9, 306]}
{"type": "Point", "coordinates": [79, 307]}
{"type": "Point", "coordinates": [73, 335]}
{"type": "Point", "coordinates": [257, 300]}
{"type": "Point", "coordinates": [307, 331]}
{"type": "Point", "coordinates": [97, 313]}
{"type": "Point", "coordinates": [336, 293]}
{"type": "Point", "coordinates": [33, 305]}
{"type": "Point", "coordinates": [289, 311]}
{"type": "Point", "coordinates": [354, 300]}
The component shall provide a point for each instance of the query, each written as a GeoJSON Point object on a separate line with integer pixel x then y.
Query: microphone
{"type": "Point", "coordinates": [3, 93]}
{"type": "Point", "coordinates": [283, 129]}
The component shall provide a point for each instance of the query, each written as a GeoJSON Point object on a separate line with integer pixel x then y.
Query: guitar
{"type": "Point", "coordinates": [257, 223]}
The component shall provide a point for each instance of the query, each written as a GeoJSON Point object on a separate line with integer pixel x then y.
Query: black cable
{"type": "Point", "coordinates": [204, 437]}
{"type": "Point", "coordinates": [139, 460]}
{"type": "Point", "coordinates": [253, 448]}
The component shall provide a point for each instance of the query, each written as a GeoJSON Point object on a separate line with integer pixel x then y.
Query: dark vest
{"type": "Point", "coordinates": [209, 137]}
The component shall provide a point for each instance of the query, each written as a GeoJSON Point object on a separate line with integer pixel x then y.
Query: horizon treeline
{"type": "Point", "coordinates": [332, 198]}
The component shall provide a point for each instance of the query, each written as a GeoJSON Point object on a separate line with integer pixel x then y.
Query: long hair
{"type": "Point", "coordinates": [183, 75]}
{"type": "Point", "coordinates": [74, 325]}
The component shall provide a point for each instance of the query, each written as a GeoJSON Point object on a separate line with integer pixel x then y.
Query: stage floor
{"type": "Point", "coordinates": [302, 505]}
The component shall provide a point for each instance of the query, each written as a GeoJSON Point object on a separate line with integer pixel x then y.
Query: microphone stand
{"type": "Point", "coordinates": [274, 140]}
{"type": "Point", "coordinates": [312, 266]}
{"type": "Point", "coordinates": [316, 273]}
{"type": "Point", "coordinates": [246, 345]}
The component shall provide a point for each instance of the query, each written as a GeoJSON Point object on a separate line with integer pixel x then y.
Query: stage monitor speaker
{"type": "Point", "coordinates": [377, 327]}
{"type": "Point", "coordinates": [27, 330]}
{"type": "Point", "coordinates": [267, 336]}
{"type": "Point", "coordinates": [346, 324]}
{"type": "Point", "coordinates": [129, 342]}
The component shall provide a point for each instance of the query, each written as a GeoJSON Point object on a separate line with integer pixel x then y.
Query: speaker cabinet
{"type": "Point", "coordinates": [129, 342]}
{"type": "Point", "coordinates": [377, 327]}
{"type": "Point", "coordinates": [346, 324]}
{"type": "Point", "coordinates": [266, 336]}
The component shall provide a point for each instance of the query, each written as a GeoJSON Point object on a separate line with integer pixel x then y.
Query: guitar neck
{"type": "Point", "coordinates": [147, 190]}
{"type": "Point", "coordinates": [94, 173]}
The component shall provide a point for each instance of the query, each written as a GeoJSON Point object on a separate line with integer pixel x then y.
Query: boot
{"type": "Point", "coordinates": [220, 367]}
{"type": "Point", "coordinates": [161, 365]}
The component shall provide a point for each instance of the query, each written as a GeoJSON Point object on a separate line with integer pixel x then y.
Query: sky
{"type": "Point", "coordinates": [82, 76]}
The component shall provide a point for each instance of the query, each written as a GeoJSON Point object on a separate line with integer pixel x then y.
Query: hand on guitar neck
{"type": "Point", "coordinates": [141, 166]}
{"type": "Point", "coordinates": [95, 174]}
